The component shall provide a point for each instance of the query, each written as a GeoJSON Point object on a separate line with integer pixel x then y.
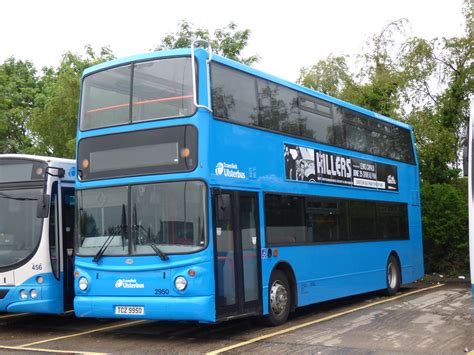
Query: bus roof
{"type": "Point", "coordinates": [247, 69]}
{"type": "Point", "coordinates": [48, 160]}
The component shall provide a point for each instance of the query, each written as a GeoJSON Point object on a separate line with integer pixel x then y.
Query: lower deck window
{"type": "Point", "coordinates": [308, 219]}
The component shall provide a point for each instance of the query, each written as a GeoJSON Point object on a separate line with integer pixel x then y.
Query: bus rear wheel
{"type": "Point", "coordinates": [279, 299]}
{"type": "Point", "coordinates": [393, 276]}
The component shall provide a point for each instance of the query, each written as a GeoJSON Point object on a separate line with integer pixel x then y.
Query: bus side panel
{"type": "Point", "coordinates": [417, 246]}
{"type": "Point", "coordinates": [321, 276]}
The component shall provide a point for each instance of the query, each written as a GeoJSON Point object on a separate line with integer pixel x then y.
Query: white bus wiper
{"type": "Point", "coordinates": [151, 243]}
{"type": "Point", "coordinates": [108, 241]}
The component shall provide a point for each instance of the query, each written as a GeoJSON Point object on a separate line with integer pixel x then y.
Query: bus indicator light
{"type": "Point", "coordinates": [85, 163]}
{"type": "Point", "coordinates": [76, 274]}
{"type": "Point", "coordinates": [191, 273]}
{"type": "Point", "coordinates": [40, 279]}
{"type": "Point", "coordinates": [185, 152]}
{"type": "Point", "coordinates": [275, 252]}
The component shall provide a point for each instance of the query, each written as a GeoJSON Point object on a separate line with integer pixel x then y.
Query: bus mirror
{"type": "Point", "coordinates": [42, 208]}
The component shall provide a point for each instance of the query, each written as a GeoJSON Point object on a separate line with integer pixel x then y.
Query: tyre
{"type": "Point", "coordinates": [279, 299]}
{"type": "Point", "coordinates": [393, 276]}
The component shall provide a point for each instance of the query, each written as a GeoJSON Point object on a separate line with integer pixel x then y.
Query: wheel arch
{"type": "Point", "coordinates": [286, 268]}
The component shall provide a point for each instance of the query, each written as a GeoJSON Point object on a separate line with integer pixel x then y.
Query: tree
{"type": "Point", "coordinates": [227, 41]}
{"type": "Point", "coordinates": [330, 76]}
{"type": "Point", "coordinates": [376, 85]}
{"type": "Point", "coordinates": [54, 121]}
{"type": "Point", "coordinates": [18, 88]}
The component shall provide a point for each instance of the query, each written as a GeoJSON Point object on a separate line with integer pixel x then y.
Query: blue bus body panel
{"type": "Point", "coordinates": [327, 270]}
{"type": "Point", "coordinates": [148, 282]}
{"type": "Point", "coordinates": [50, 296]}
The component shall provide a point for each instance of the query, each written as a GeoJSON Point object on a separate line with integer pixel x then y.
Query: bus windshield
{"type": "Point", "coordinates": [20, 229]}
{"type": "Point", "coordinates": [134, 220]}
{"type": "Point", "coordinates": [137, 92]}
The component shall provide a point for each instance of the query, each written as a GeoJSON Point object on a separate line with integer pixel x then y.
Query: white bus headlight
{"type": "Point", "coordinates": [180, 283]}
{"type": "Point", "coordinates": [83, 283]}
{"type": "Point", "coordinates": [23, 294]}
{"type": "Point", "coordinates": [34, 293]}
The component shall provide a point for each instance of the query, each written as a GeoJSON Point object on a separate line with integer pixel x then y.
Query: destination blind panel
{"type": "Point", "coordinates": [16, 170]}
{"type": "Point", "coordinates": [314, 165]}
{"type": "Point", "coordinates": [135, 157]}
{"type": "Point", "coordinates": [145, 152]}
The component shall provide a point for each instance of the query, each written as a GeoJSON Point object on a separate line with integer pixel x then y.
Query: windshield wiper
{"type": "Point", "coordinates": [151, 243]}
{"type": "Point", "coordinates": [4, 195]}
{"type": "Point", "coordinates": [158, 251]}
{"type": "Point", "coordinates": [108, 241]}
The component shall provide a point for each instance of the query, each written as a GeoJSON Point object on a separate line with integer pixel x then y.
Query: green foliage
{"type": "Point", "coordinates": [445, 227]}
{"type": "Point", "coordinates": [227, 41]}
{"type": "Point", "coordinates": [54, 120]}
{"type": "Point", "coordinates": [18, 88]}
{"type": "Point", "coordinates": [330, 76]}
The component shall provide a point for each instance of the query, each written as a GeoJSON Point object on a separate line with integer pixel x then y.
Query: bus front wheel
{"type": "Point", "coordinates": [279, 299]}
{"type": "Point", "coordinates": [393, 276]}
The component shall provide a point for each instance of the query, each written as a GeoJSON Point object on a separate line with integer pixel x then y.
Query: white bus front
{"type": "Point", "coordinates": [36, 229]}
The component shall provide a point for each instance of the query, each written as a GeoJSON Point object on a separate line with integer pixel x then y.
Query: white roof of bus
{"type": "Point", "coordinates": [48, 160]}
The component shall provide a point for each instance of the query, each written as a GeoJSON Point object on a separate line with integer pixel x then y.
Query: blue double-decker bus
{"type": "Point", "coordinates": [208, 190]}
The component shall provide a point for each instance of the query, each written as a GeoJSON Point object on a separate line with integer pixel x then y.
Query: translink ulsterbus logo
{"type": "Point", "coordinates": [130, 283]}
{"type": "Point", "coordinates": [229, 170]}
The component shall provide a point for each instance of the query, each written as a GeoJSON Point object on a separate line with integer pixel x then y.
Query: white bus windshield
{"type": "Point", "coordinates": [20, 229]}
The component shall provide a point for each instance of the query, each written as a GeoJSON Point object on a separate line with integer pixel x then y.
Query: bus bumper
{"type": "Point", "coordinates": [50, 306]}
{"type": "Point", "coordinates": [11, 302]}
{"type": "Point", "coordinates": [197, 308]}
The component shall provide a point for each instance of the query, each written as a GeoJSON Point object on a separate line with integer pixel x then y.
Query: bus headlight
{"type": "Point", "coordinates": [180, 283]}
{"type": "Point", "coordinates": [34, 293]}
{"type": "Point", "coordinates": [83, 283]}
{"type": "Point", "coordinates": [23, 294]}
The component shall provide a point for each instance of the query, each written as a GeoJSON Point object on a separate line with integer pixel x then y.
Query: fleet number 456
{"type": "Point", "coordinates": [37, 267]}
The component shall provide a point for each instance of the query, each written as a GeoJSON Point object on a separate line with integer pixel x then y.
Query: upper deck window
{"type": "Point", "coordinates": [246, 99]}
{"type": "Point", "coordinates": [137, 92]}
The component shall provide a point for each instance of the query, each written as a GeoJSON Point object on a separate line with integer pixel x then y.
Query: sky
{"type": "Point", "coordinates": [287, 35]}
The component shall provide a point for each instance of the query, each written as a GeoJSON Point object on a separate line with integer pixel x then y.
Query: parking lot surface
{"type": "Point", "coordinates": [420, 319]}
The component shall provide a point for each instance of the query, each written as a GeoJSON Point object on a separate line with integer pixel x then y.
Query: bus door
{"type": "Point", "coordinates": [237, 245]}
{"type": "Point", "coordinates": [68, 205]}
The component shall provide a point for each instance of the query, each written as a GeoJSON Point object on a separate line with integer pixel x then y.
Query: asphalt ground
{"type": "Point", "coordinates": [421, 318]}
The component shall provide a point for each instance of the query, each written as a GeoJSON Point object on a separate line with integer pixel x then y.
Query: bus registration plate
{"type": "Point", "coordinates": [129, 310]}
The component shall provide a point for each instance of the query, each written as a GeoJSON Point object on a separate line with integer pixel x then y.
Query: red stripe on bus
{"type": "Point", "coordinates": [140, 103]}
